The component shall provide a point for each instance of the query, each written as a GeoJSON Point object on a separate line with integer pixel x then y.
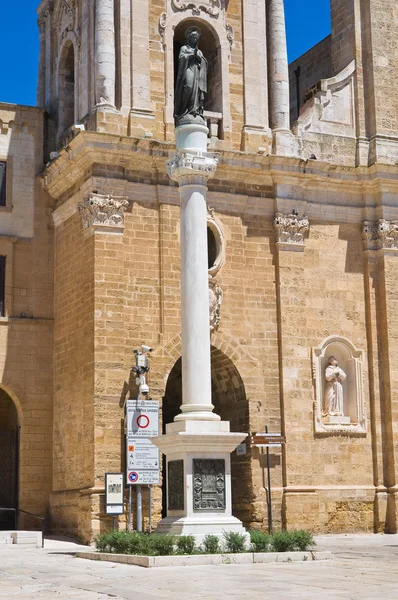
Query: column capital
{"type": "Point", "coordinates": [104, 213]}
{"type": "Point", "coordinates": [380, 235]}
{"type": "Point", "coordinates": [192, 167]}
{"type": "Point", "coordinates": [291, 231]}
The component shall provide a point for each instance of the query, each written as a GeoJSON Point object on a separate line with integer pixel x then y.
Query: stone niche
{"type": "Point", "coordinates": [350, 360]}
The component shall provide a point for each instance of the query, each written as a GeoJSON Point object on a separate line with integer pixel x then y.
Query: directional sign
{"type": "Point", "coordinates": [265, 440]}
{"type": "Point", "coordinates": [142, 418]}
{"type": "Point", "coordinates": [142, 454]}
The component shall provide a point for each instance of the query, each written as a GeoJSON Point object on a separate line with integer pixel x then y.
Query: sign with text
{"type": "Point", "coordinates": [142, 457]}
{"type": "Point", "coordinates": [267, 439]}
{"type": "Point", "coordinates": [114, 490]}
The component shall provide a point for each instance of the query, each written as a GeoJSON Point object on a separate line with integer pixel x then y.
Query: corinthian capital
{"type": "Point", "coordinates": [192, 167]}
{"type": "Point", "coordinates": [291, 231]}
{"type": "Point", "coordinates": [380, 235]}
{"type": "Point", "coordinates": [104, 212]}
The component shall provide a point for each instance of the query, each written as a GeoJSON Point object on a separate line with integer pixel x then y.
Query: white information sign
{"type": "Point", "coordinates": [114, 491]}
{"type": "Point", "coordinates": [142, 418]}
{"type": "Point", "coordinates": [142, 457]}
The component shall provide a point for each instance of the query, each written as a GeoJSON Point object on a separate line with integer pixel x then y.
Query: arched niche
{"type": "Point", "coordinates": [215, 44]}
{"type": "Point", "coordinates": [66, 88]}
{"type": "Point", "coordinates": [230, 402]}
{"type": "Point", "coordinates": [350, 360]}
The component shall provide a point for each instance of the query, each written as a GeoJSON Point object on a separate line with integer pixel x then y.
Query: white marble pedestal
{"type": "Point", "coordinates": [193, 505]}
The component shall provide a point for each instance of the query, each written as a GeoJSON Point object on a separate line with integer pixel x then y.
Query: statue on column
{"type": "Point", "coordinates": [191, 84]}
{"type": "Point", "coordinates": [333, 398]}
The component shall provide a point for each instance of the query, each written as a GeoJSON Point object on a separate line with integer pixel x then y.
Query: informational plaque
{"type": "Point", "coordinates": [208, 484]}
{"type": "Point", "coordinates": [175, 484]}
{"type": "Point", "coordinates": [142, 457]}
{"type": "Point", "coordinates": [114, 491]}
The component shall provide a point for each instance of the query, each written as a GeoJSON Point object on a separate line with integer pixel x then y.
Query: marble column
{"type": "Point", "coordinates": [191, 168]}
{"type": "Point", "coordinates": [105, 54]}
{"type": "Point", "coordinates": [279, 78]}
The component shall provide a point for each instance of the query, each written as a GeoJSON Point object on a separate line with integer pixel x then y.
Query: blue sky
{"type": "Point", "coordinates": [307, 23]}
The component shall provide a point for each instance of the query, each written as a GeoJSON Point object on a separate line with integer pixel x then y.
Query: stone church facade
{"type": "Point", "coordinates": [303, 255]}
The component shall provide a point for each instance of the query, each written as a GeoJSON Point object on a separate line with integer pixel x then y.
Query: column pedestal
{"type": "Point", "coordinates": [197, 445]}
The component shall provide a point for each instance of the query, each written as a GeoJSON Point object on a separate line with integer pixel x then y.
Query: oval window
{"type": "Point", "coordinates": [212, 250]}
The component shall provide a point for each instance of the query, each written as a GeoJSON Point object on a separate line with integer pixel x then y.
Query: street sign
{"type": "Point", "coordinates": [142, 457]}
{"type": "Point", "coordinates": [142, 418]}
{"type": "Point", "coordinates": [265, 440]}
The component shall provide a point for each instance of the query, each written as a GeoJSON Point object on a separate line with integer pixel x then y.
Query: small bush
{"type": "Point", "coordinates": [234, 542]}
{"type": "Point", "coordinates": [283, 541]}
{"type": "Point", "coordinates": [303, 540]}
{"type": "Point", "coordinates": [260, 541]}
{"type": "Point", "coordinates": [186, 544]}
{"type": "Point", "coordinates": [103, 542]}
{"type": "Point", "coordinates": [161, 545]}
{"type": "Point", "coordinates": [211, 544]}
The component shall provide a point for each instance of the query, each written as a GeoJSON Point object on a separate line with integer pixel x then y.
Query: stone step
{"type": "Point", "coordinates": [26, 538]}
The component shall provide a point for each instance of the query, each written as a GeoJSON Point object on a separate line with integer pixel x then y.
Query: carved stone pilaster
{"type": "Point", "coordinates": [215, 302]}
{"type": "Point", "coordinates": [104, 213]}
{"type": "Point", "coordinates": [192, 167]}
{"type": "Point", "coordinates": [380, 235]}
{"type": "Point", "coordinates": [291, 231]}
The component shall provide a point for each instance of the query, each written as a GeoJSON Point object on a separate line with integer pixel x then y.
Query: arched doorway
{"type": "Point", "coordinates": [9, 451]}
{"type": "Point", "coordinates": [230, 402]}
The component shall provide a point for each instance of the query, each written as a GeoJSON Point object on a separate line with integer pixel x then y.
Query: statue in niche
{"type": "Point", "coordinates": [333, 396]}
{"type": "Point", "coordinates": [191, 84]}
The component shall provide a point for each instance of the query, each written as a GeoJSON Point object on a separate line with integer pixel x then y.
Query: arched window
{"type": "Point", "coordinates": [66, 88]}
{"type": "Point", "coordinates": [210, 46]}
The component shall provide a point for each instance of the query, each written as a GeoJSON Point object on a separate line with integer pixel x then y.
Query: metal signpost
{"type": "Point", "coordinates": [267, 440]}
{"type": "Point", "coordinates": [114, 495]}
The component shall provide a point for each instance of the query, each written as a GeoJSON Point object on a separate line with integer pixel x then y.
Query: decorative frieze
{"type": "Point", "coordinates": [291, 231]}
{"type": "Point", "coordinates": [380, 235]}
{"type": "Point", "coordinates": [104, 212]}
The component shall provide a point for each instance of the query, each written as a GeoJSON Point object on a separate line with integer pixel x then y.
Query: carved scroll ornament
{"type": "Point", "coordinates": [212, 7]}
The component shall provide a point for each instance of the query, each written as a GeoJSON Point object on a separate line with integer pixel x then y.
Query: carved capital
{"type": "Point", "coordinates": [190, 167]}
{"type": "Point", "coordinates": [380, 235]}
{"type": "Point", "coordinates": [291, 231]}
{"type": "Point", "coordinates": [212, 7]}
{"type": "Point", "coordinates": [104, 212]}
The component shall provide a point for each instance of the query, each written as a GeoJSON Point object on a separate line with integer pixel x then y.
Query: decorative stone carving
{"type": "Point", "coordinates": [230, 34]}
{"type": "Point", "coordinates": [208, 484]}
{"type": "Point", "coordinates": [212, 7]}
{"type": "Point", "coordinates": [104, 211]}
{"type": "Point", "coordinates": [185, 165]}
{"type": "Point", "coordinates": [339, 403]}
{"type": "Point", "coordinates": [162, 25]}
{"type": "Point", "coordinates": [291, 231]}
{"type": "Point", "coordinates": [175, 484]}
{"type": "Point", "coordinates": [380, 235]}
{"type": "Point", "coordinates": [215, 301]}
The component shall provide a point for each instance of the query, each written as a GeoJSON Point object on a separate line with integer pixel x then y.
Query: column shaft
{"type": "Point", "coordinates": [279, 68]}
{"type": "Point", "coordinates": [105, 55]}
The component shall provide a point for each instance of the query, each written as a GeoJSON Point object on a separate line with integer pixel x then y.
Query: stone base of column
{"type": "Point", "coordinates": [255, 139]}
{"type": "Point", "coordinates": [284, 143]}
{"type": "Point", "coordinates": [198, 475]}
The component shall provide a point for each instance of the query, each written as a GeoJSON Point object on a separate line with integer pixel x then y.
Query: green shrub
{"type": "Point", "coordinates": [103, 542]}
{"type": "Point", "coordinates": [211, 544]}
{"type": "Point", "coordinates": [303, 540]}
{"type": "Point", "coordinates": [260, 541]}
{"type": "Point", "coordinates": [283, 541]}
{"type": "Point", "coordinates": [161, 545]}
{"type": "Point", "coordinates": [234, 542]}
{"type": "Point", "coordinates": [186, 544]}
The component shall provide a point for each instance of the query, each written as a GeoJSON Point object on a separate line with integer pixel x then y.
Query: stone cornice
{"type": "Point", "coordinates": [380, 235]}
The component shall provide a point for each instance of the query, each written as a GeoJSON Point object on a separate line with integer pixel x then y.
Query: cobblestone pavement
{"type": "Point", "coordinates": [363, 566]}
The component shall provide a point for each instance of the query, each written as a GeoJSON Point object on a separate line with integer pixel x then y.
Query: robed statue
{"type": "Point", "coordinates": [191, 83]}
{"type": "Point", "coordinates": [333, 401]}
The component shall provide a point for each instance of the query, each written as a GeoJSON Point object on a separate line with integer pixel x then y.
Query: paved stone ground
{"type": "Point", "coordinates": [364, 566]}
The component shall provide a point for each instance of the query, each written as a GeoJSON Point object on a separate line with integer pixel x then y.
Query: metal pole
{"type": "Point", "coordinates": [270, 526]}
{"type": "Point", "coordinates": [150, 509]}
{"type": "Point", "coordinates": [129, 511]}
{"type": "Point", "coordinates": [114, 523]}
{"type": "Point", "coordinates": [139, 508]}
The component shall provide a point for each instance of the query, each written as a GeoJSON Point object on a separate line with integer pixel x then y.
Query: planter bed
{"type": "Point", "coordinates": [206, 559]}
